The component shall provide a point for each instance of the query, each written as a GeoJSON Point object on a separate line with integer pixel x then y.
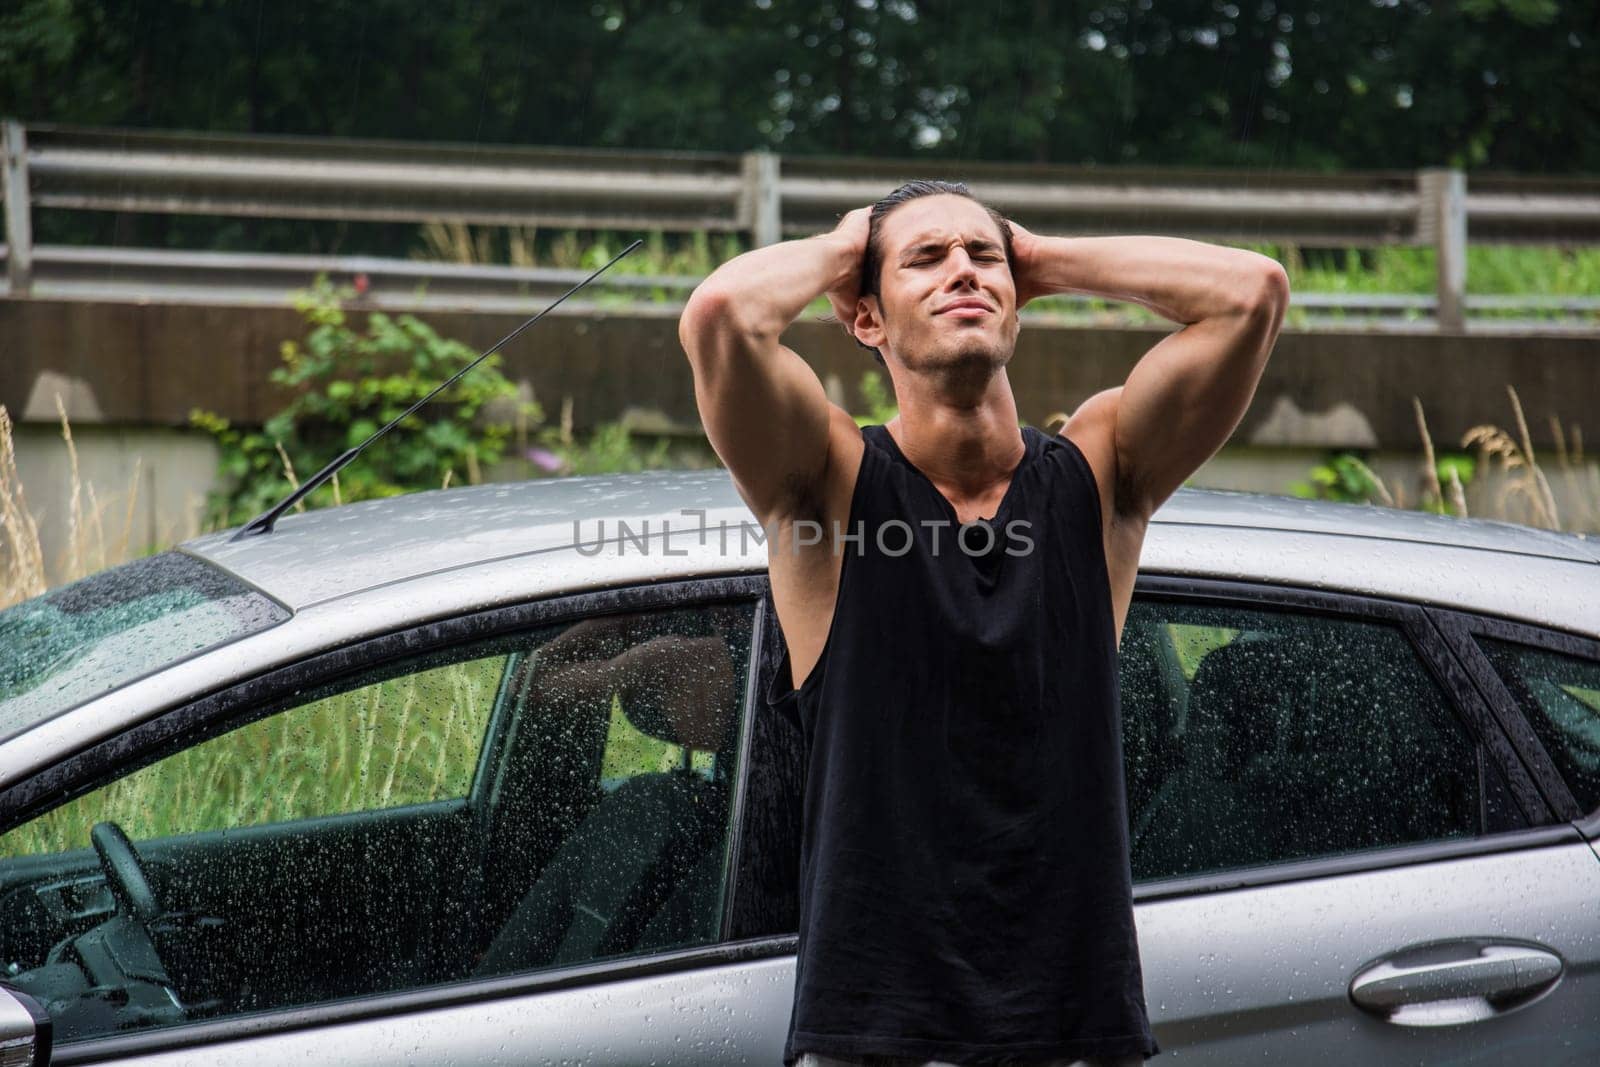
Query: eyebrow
{"type": "Point", "coordinates": [974, 244]}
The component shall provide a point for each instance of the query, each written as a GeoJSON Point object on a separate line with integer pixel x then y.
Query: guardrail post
{"type": "Point", "coordinates": [19, 227]}
{"type": "Point", "coordinates": [1444, 225]}
{"type": "Point", "coordinates": [759, 208]}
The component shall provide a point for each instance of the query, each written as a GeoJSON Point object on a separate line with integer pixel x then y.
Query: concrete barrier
{"type": "Point", "coordinates": [128, 375]}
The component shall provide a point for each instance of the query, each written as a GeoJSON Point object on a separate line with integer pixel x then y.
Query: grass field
{"type": "Point", "coordinates": [404, 741]}
{"type": "Point", "coordinates": [1497, 270]}
{"type": "Point", "coordinates": [407, 740]}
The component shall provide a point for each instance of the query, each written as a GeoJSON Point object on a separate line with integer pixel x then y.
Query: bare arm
{"type": "Point", "coordinates": [764, 410]}
{"type": "Point", "coordinates": [1187, 394]}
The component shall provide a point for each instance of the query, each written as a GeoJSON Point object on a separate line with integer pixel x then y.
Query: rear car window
{"type": "Point", "coordinates": [1560, 695]}
{"type": "Point", "coordinates": [74, 643]}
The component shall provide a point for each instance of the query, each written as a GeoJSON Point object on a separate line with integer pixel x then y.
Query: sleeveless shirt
{"type": "Point", "coordinates": [965, 886]}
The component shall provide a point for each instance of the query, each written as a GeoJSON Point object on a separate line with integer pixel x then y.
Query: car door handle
{"type": "Point", "coordinates": [1446, 982]}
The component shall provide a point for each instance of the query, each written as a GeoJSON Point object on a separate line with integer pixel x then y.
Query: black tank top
{"type": "Point", "coordinates": [965, 889]}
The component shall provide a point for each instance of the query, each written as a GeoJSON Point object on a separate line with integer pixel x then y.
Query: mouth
{"type": "Point", "coordinates": [965, 309]}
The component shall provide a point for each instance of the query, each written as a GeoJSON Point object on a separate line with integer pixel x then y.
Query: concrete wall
{"type": "Point", "coordinates": [149, 364]}
{"type": "Point", "coordinates": [138, 488]}
{"type": "Point", "coordinates": [129, 374]}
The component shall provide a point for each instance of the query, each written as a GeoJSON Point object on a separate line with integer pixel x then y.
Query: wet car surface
{"type": "Point", "coordinates": [483, 775]}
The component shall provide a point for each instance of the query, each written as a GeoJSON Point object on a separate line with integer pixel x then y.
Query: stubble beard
{"type": "Point", "coordinates": [967, 366]}
{"type": "Point", "coordinates": [961, 366]}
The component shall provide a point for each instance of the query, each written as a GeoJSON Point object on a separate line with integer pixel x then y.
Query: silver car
{"type": "Point", "coordinates": [485, 775]}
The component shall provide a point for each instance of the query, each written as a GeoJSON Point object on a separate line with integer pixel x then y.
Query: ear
{"type": "Point", "coordinates": [868, 326]}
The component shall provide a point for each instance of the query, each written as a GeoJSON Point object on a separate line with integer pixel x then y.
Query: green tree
{"type": "Point", "coordinates": [1487, 84]}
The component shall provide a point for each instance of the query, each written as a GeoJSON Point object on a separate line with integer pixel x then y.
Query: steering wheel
{"type": "Point", "coordinates": [124, 873]}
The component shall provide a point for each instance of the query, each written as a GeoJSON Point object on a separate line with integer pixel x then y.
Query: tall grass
{"type": "Point", "coordinates": [413, 739]}
{"type": "Point", "coordinates": [23, 574]}
{"type": "Point", "coordinates": [1491, 269]}
{"type": "Point", "coordinates": [1524, 494]}
{"type": "Point", "coordinates": [97, 535]}
{"type": "Point", "coordinates": [407, 740]}
{"type": "Point", "coordinates": [1501, 270]}
{"type": "Point", "coordinates": [688, 255]}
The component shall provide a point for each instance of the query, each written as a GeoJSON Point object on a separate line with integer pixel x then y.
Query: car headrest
{"type": "Point", "coordinates": [1235, 699]}
{"type": "Point", "coordinates": [680, 689]}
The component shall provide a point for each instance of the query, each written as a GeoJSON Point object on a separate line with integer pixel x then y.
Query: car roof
{"type": "Point", "coordinates": [329, 553]}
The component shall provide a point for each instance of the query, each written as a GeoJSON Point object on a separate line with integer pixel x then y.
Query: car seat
{"type": "Point", "coordinates": [644, 842]}
{"type": "Point", "coordinates": [1217, 809]}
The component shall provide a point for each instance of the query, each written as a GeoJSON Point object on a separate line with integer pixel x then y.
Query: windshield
{"type": "Point", "coordinates": [74, 643]}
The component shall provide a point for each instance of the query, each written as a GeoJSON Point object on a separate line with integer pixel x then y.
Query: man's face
{"type": "Point", "coordinates": [945, 296]}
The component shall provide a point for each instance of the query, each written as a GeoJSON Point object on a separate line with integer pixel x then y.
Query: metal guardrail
{"type": "Point", "coordinates": [262, 279]}
{"type": "Point", "coordinates": [756, 193]}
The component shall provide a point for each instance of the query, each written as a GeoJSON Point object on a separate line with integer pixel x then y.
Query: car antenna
{"type": "Point", "coordinates": [264, 522]}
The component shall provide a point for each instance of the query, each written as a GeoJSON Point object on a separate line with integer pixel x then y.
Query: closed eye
{"type": "Point", "coordinates": [932, 256]}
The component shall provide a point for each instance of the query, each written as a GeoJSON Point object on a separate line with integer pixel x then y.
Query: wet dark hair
{"type": "Point", "coordinates": [872, 261]}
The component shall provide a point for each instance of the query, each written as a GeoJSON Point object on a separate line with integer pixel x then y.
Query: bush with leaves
{"type": "Point", "coordinates": [1345, 477]}
{"type": "Point", "coordinates": [346, 383]}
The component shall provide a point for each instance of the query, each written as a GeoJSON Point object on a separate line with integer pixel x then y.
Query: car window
{"type": "Point", "coordinates": [405, 740]}
{"type": "Point", "coordinates": [74, 643]}
{"type": "Point", "coordinates": [537, 800]}
{"type": "Point", "coordinates": [1261, 736]}
{"type": "Point", "coordinates": [1560, 695]}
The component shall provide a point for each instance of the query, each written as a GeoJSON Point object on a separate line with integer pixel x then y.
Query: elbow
{"type": "Point", "coordinates": [1260, 305]}
{"type": "Point", "coordinates": [1256, 289]}
{"type": "Point", "coordinates": [715, 320]}
{"type": "Point", "coordinates": [704, 308]}
{"type": "Point", "coordinates": [1273, 291]}
{"type": "Point", "coordinates": [1268, 308]}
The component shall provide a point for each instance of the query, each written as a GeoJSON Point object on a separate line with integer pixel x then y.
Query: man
{"type": "Point", "coordinates": [965, 892]}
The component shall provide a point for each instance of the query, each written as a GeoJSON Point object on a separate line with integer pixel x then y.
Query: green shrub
{"type": "Point", "coordinates": [1345, 477]}
{"type": "Point", "coordinates": [348, 382]}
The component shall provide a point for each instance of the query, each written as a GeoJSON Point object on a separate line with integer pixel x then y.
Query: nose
{"type": "Point", "coordinates": [963, 273]}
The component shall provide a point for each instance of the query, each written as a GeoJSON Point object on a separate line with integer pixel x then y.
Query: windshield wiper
{"type": "Point", "coordinates": [264, 522]}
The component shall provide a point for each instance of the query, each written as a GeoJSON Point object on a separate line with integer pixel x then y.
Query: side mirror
{"type": "Point", "coordinates": [24, 1030]}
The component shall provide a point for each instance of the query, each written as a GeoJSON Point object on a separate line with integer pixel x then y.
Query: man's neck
{"type": "Point", "coordinates": [965, 446]}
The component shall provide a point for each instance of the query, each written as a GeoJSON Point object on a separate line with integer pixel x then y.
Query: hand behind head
{"type": "Point", "coordinates": [851, 231]}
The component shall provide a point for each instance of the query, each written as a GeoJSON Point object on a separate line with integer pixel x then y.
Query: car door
{"type": "Point", "coordinates": [1543, 685]}
{"type": "Point", "coordinates": [499, 836]}
{"type": "Point", "coordinates": [1338, 855]}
